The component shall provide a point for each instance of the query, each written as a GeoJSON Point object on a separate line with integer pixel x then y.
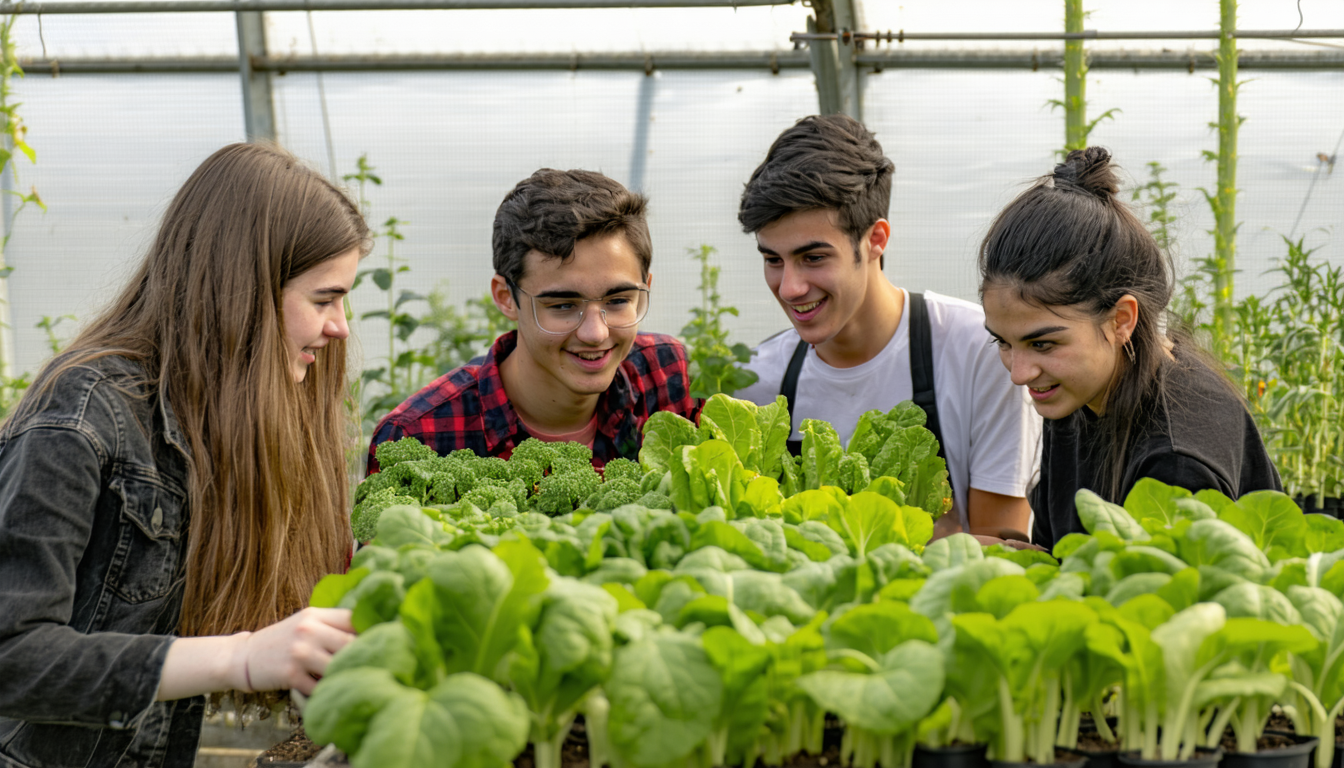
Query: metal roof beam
{"type": "Point", "coordinates": [233, 6]}
{"type": "Point", "coordinates": [672, 60]}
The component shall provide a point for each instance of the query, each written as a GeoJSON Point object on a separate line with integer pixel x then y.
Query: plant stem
{"type": "Point", "coordinates": [1099, 717]}
{"type": "Point", "coordinates": [596, 708]}
{"type": "Point", "coordinates": [1011, 740]}
{"type": "Point", "coordinates": [1215, 732]}
{"type": "Point", "coordinates": [1225, 207]}
{"type": "Point", "coordinates": [1075, 80]}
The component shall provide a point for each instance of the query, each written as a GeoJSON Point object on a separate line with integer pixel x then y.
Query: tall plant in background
{"type": "Point", "coordinates": [1290, 355]}
{"type": "Point", "coordinates": [713, 361]}
{"type": "Point", "coordinates": [450, 337]}
{"type": "Point", "coordinates": [15, 134]}
{"type": "Point", "coordinates": [1076, 126]}
{"type": "Point", "coordinates": [1223, 200]}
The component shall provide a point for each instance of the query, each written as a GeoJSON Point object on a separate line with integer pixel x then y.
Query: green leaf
{"type": "Point", "coordinates": [819, 504]}
{"type": "Point", "coordinates": [616, 570]}
{"type": "Point", "coordinates": [1218, 543]}
{"type": "Point", "coordinates": [1183, 589]}
{"type": "Point", "coordinates": [927, 487]}
{"type": "Point", "coordinates": [464, 721]}
{"type": "Point", "coordinates": [1099, 515]}
{"type": "Point", "coordinates": [388, 646]}
{"type": "Point", "coordinates": [343, 704]}
{"type": "Point", "coordinates": [742, 669]}
{"type": "Point", "coordinates": [821, 454]}
{"type": "Point", "coordinates": [382, 277]}
{"type": "Point", "coordinates": [729, 539]}
{"type": "Point", "coordinates": [815, 540]}
{"type": "Point", "coordinates": [375, 599]}
{"type": "Point", "coordinates": [868, 521]}
{"type": "Point", "coordinates": [1001, 595]}
{"type": "Point", "coordinates": [334, 586]}
{"type": "Point", "coordinates": [708, 475]}
{"type": "Point", "coordinates": [1270, 518]}
{"type": "Point", "coordinates": [767, 594]}
{"type": "Point", "coordinates": [664, 435]}
{"type": "Point", "coordinates": [1256, 601]}
{"type": "Point", "coordinates": [482, 600]}
{"type": "Point", "coordinates": [1151, 499]}
{"type": "Point", "coordinates": [760, 498]}
{"type": "Point", "coordinates": [665, 694]}
{"type": "Point", "coordinates": [773, 422]}
{"type": "Point", "coordinates": [1324, 534]}
{"type": "Point", "coordinates": [402, 524]}
{"type": "Point", "coordinates": [1136, 584]}
{"type": "Point", "coordinates": [903, 690]}
{"type": "Point", "coordinates": [951, 551]}
{"type": "Point", "coordinates": [874, 629]}
{"type": "Point", "coordinates": [734, 421]}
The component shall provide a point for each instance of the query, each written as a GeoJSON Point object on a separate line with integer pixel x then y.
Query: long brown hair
{"type": "Point", "coordinates": [202, 315]}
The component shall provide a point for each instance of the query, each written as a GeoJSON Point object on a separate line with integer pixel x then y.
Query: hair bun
{"type": "Point", "coordinates": [1088, 170]}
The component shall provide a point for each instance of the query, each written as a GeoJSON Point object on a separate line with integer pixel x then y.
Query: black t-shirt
{"type": "Point", "coordinates": [1198, 436]}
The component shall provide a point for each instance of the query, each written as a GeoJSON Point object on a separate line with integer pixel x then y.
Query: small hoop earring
{"type": "Point", "coordinates": [1129, 350]}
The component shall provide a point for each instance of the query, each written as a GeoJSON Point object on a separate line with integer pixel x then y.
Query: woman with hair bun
{"type": "Point", "coordinates": [1075, 292]}
{"type": "Point", "coordinates": [172, 486]}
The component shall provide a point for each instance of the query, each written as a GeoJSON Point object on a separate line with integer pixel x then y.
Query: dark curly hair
{"type": "Point", "coordinates": [552, 210]}
{"type": "Point", "coordinates": [821, 162]}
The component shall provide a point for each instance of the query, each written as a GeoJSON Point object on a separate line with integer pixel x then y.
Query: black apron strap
{"type": "Point", "coordinates": [789, 389]}
{"type": "Point", "coordinates": [921, 366]}
{"type": "Point", "coordinates": [921, 373]}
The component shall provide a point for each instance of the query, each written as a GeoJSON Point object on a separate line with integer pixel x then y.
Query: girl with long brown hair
{"type": "Point", "coordinates": [172, 485]}
{"type": "Point", "coordinates": [1075, 292]}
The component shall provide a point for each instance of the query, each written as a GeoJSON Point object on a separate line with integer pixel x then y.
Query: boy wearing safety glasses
{"type": "Point", "coordinates": [571, 257]}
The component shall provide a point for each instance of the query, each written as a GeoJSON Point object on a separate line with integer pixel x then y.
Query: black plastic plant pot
{"type": "Point", "coordinates": [1329, 505]}
{"type": "Point", "coordinates": [1064, 758]}
{"type": "Point", "coordinates": [1108, 758]}
{"type": "Point", "coordinates": [955, 756]}
{"type": "Point", "coordinates": [1203, 758]}
{"type": "Point", "coordinates": [1297, 755]}
{"type": "Point", "coordinates": [1098, 758]}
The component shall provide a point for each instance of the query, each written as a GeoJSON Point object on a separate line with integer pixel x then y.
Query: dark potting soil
{"type": "Point", "coordinates": [1267, 741]}
{"type": "Point", "coordinates": [1091, 741]}
{"type": "Point", "coordinates": [574, 752]}
{"type": "Point", "coordinates": [1062, 756]}
{"type": "Point", "coordinates": [298, 748]}
{"type": "Point", "coordinates": [1280, 722]}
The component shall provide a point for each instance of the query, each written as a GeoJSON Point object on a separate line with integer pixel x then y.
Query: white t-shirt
{"type": "Point", "coordinates": [991, 433]}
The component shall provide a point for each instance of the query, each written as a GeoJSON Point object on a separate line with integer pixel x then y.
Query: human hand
{"type": "Point", "coordinates": [1008, 541]}
{"type": "Point", "coordinates": [293, 653]}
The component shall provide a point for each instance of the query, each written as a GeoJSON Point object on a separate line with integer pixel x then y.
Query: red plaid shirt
{"type": "Point", "coordinates": [468, 408]}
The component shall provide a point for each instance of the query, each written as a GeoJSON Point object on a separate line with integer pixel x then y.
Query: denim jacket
{"type": "Point", "coordinates": [93, 533]}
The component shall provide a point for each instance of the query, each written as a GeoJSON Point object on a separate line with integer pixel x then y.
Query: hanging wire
{"type": "Point", "coordinates": [322, 101]}
{"type": "Point", "coordinates": [1321, 162]}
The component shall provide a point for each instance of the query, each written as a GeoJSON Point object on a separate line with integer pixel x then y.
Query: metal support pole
{"type": "Point", "coordinates": [7, 357]}
{"type": "Point", "coordinates": [839, 90]}
{"type": "Point", "coordinates": [258, 106]}
{"type": "Point", "coordinates": [639, 151]}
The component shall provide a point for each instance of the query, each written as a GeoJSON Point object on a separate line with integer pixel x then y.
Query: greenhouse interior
{"type": "Point", "coordinates": [754, 512]}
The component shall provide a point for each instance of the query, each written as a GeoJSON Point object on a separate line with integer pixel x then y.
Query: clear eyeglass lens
{"type": "Point", "coordinates": [620, 310]}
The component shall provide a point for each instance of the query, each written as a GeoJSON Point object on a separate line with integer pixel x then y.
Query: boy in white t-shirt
{"type": "Point", "coordinates": [818, 206]}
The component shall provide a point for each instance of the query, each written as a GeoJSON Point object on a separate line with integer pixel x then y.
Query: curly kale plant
{"type": "Point", "coordinates": [364, 520]}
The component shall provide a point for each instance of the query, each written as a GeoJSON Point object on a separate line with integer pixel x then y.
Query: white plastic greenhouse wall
{"type": "Point", "coordinates": [112, 149]}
